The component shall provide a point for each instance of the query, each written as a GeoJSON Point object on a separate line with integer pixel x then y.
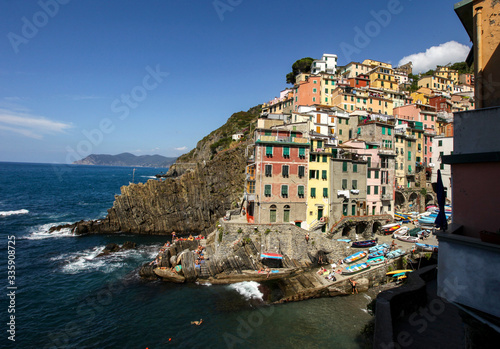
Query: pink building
{"type": "Point", "coordinates": [425, 114]}
{"type": "Point", "coordinates": [277, 179]}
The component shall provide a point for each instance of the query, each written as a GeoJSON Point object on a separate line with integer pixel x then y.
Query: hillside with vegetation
{"type": "Point", "coordinates": [221, 139]}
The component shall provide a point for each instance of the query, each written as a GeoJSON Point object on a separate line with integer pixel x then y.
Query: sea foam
{"type": "Point", "coordinates": [42, 232]}
{"type": "Point", "coordinates": [10, 213]}
{"type": "Point", "coordinates": [88, 260]}
{"type": "Point", "coordinates": [248, 289]}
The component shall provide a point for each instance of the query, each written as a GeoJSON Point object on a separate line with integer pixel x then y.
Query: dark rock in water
{"type": "Point", "coordinates": [129, 245]}
{"type": "Point", "coordinates": [147, 272]}
{"type": "Point", "coordinates": [110, 248]}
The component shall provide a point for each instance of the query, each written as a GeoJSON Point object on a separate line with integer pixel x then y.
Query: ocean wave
{"type": "Point", "coordinates": [248, 289]}
{"type": "Point", "coordinates": [42, 232]}
{"type": "Point", "coordinates": [10, 213]}
{"type": "Point", "coordinates": [88, 260]}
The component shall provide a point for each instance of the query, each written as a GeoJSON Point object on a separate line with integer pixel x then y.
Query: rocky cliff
{"type": "Point", "coordinates": [201, 187]}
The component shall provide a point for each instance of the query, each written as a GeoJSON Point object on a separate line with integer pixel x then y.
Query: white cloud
{"type": "Point", "coordinates": [449, 52]}
{"type": "Point", "coordinates": [29, 125]}
{"type": "Point", "coordinates": [181, 148]}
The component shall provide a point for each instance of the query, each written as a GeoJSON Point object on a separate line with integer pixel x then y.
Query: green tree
{"type": "Point", "coordinates": [302, 65]}
{"type": "Point", "coordinates": [461, 67]}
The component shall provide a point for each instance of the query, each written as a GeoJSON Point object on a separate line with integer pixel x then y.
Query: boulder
{"type": "Point", "coordinates": [129, 245]}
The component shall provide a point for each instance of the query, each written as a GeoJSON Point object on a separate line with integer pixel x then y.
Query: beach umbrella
{"type": "Point", "coordinates": [440, 221]}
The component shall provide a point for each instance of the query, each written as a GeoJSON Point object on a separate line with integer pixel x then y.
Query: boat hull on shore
{"type": "Point", "coordinates": [356, 268]}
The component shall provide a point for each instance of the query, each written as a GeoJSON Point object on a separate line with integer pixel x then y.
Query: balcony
{"type": "Point", "coordinates": [386, 151]}
{"type": "Point", "coordinates": [411, 137]}
{"type": "Point", "coordinates": [281, 139]}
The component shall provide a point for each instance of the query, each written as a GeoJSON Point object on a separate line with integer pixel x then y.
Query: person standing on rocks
{"type": "Point", "coordinates": [354, 287]}
{"type": "Point", "coordinates": [307, 237]}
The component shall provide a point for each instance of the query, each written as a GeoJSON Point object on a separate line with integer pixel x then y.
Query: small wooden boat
{"type": "Point", "coordinates": [426, 247]}
{"type": "Point", "coordinates": [375, 261]}
{"type": "Point", "coordinates": [395, 254]}
{"type": "Point", "coordinates": [356, 268]}
{"type": "Point", "coordinates": [168, 275]}
{"type": "Point", "coordinates": [379, 253]}
{"type": "Point", "coordinates": [378, 247]}
{"type": "Point", "coordinates": [400, 232]}
{"type": "Point", "coordinates": [390, 228]}
{"type": "Point", "coordinates": [355, 257]}
{"type": "Point", "coordinates": [364, 243]}
{"type": "Point", "coordinates": [407, 238]}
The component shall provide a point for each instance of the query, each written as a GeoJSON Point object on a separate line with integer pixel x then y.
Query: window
{"type": "Point", "coordinates": [314, 99]}
{"type": "Point", "coordinates": [313, 192]}
{"type": "Point", "coordinates": [344, 166]}
{"type": "Point", "coordinates": [267, 190]}
{"type": "Point", "coordinates": [354, 184]}
{"type": "Point", "coordinates": [441, 166]}
{"type": "Point", "coordinates": [300, 191]}
{"type": "Point", "coordinates": [323, 174]}
{"type": "Point", "coordinates": [302, 153]}
{"type": "Point", "coordinates": [272, 212]}
{"type": "Point", "coordinates": [284, 191]}
{"type": "Point", "coordinates": [269, 151]}
{"type": "Point", "coordinates": [325, 158]}
{"type": "Point", "coordinates": [325, 192]}
{"type": "Point", "coordinates": [340, 132]}
{"type": "Point", "coordinates": [375, 189]}
{"type": "Point", "coordinates": [269, 170]}
{"type": "Point", "coordinates": [369, 174]}
{"type": "Point", "coordinates": [268, 133]}
{"type": "Point", "coordinates": [353, 210]}
{"type": "Point", "coordinates": [344, 184]}
{"type": "Point", "coordinates": [285, 171]}
{"type": "Point", "coordinates": [286, 152]}
{"type": "Point", "coordinates": [312, 157]}
{"type": "Point", "coordinates": [313, 174]}
{"type": "Point", "coordinates": [376, 174]}
{"type": "Point", "coordinates": [383, 130]}
{"type": "Point", "coordinates": [314, 90]}
{"type": "Point", "coordinates": [383, 190]}
{"type": "Point", "coordinates": [389, 131]}
{"type": "Point", "coordinates": [354, 167]}
{"type": "Point", "coordinates": [344, 209]}
{"type": "Point", "coordinates": [368, 190]}
{"type": "Point", "coordinates": [326, 90]}
{"type": "Point", "coordinates": [409, 155]}
{"type": "Point", "coordinates": [347, 121]}
{"type": "Point", "coordinates": [440, 143]}
{"type": "Point", "coordinates": [301, 171]}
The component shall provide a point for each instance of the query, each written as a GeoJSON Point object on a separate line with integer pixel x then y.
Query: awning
{"type": "Point", "coordinates": [271, 255]}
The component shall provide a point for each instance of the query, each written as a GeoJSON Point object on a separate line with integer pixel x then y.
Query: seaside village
{"type": "Point", "coordinates": [351, 142]}
{"type": "Point", "coordinates": [350, 156]}
{"type": "Point", "coordinates": [347, 154]}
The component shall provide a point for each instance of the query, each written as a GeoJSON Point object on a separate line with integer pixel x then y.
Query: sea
{"type": "Point", "coordinates": [58, 293]}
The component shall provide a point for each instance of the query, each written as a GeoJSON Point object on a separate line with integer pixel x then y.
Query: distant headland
{"type": "Point", "coordinates": [126, 159]}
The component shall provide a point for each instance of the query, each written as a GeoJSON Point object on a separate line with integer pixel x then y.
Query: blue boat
{"type": "Point", "coordinates": [378, 247]}
{"type": "Point", "coordinates": [426, 247]}
{"type": "Point", "coordinates": [377, 254]}
{"type": "Point", "coordinates": [375, 261]}
{"type": "Point", "coordinates": [356, 268]}
{"type": "Point", "coordinates": [355, 257]}
{"type": "Point", "coordinates": [395, 254]}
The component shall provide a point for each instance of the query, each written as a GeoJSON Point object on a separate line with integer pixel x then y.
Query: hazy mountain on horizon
{"type": "Point", "coordinates": [126, 159]}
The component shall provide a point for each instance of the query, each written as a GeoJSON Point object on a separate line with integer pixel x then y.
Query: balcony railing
{"type": "Point", "coordinates": [282, 139]}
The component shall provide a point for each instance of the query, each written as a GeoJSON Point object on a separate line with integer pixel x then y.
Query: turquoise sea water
{"type": "Point", "coordinates": [66, 297]}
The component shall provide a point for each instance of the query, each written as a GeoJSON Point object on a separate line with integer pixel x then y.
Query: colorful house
{"type": "Point", "coordinates": [276, 183]}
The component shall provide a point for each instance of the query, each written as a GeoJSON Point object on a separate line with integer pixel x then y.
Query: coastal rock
{"type": "Point", "coordinates": [129, 245]}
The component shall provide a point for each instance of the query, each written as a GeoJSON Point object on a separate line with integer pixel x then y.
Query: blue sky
{"type": "Point", "coordinates": [67, 67]}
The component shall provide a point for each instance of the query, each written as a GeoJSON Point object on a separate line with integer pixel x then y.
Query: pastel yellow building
{"type": "Point", "coordinates": [318, 201]}
{"type": "Point", "coordinates": [383, 78]}
{"type": "Point", "coordinates": [445, 72]}
{"type": "Point", "coordinates": [436, 83]}
{"type": "Point", "coordinates": [374, 63]}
